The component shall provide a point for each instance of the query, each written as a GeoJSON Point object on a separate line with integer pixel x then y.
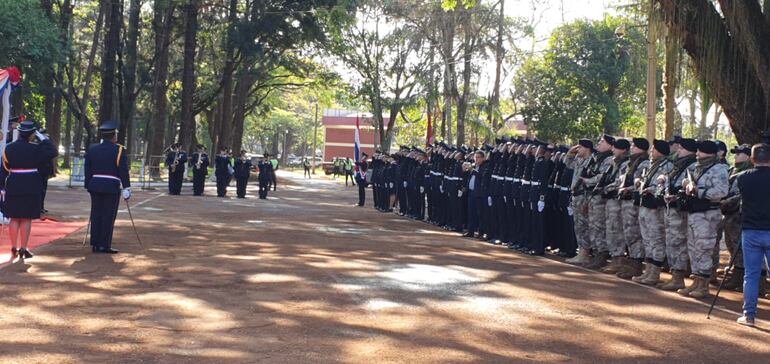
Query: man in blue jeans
{"type": "Point", "coordinates": [755, 227]}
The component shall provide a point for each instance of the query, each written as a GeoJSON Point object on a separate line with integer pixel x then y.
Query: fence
{"type": "Point", "coordinates": [146, 176]}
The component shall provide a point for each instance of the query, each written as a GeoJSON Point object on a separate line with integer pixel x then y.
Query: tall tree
{"type": "Point", "coordinates": [128, 72]}
{"type": "Point", "coordinates": [109, 60]}
{"type": "Point", "coordinates": [162, 24]}
{"type": "Point", "coordinates": [187, 126]}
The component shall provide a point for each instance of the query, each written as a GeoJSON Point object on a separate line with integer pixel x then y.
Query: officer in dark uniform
{"type": "Point", "coordinates": [242, 173]}
{"type": "Point", "coordinates": [20, 183]}
{"type": "Point", "coordinates": [175, 162]}
{"type": "Point", "coordinates": [107, 180]}
{"type": "Point", "coordinates": [265, 176]}
{"type": "Point", "coordinates": [199, 163]}
{"type": "Point", "coordinates": [541, 173]}
{"type": "Point", "coordinates": [47, 171]}
{"type": "Point", "coordinates": [362, 168]}
{"type": "Point", "coordinates": [223, 165]}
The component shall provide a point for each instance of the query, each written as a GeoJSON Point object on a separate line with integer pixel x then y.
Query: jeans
{"type": "Point", "coordinates": [756, 247]}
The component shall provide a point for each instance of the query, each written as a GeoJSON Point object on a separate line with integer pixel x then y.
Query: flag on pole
{"type": "Point", "coordinates": [357, 146]}
{"type": "Point", "coordinates": [9, 78]}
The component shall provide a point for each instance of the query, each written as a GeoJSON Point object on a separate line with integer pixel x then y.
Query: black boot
{"type": "Point", "coordinates": [735, 282]}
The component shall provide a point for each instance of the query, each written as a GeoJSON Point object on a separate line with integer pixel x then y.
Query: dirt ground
{"type": "Point", "coordinates": [306, 278]}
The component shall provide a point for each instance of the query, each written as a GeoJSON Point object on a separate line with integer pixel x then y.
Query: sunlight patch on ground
{"type": "Point", "coordinates": [151, 209]}
{"type": "Point", "coordinates": [424, 275]}
{"type": "Point", "coordinates": [344, 230]}
{"type": "Point", "coordinates": [272, 278]}
{"type": "Point", "coordinates": [381, 304]}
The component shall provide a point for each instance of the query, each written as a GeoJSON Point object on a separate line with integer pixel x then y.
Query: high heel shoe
{"type": "Point", "coordinates": [26, 254]}
{"type": "Point", "coordinates": [14, 253]}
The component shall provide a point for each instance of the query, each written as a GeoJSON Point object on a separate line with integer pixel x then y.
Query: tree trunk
{"type": "Point", "coordinates": [715, 123]}
{"type": "Point", "coordinates": [728, 54]}
{"type": "Point", "coordinates": [493, 111]}
{"type": "Point", "coordinates": [448, 43]}
{"type": "Point", "coordinates": [225, 132]}
{"type": "Point", "coordinates": [86, 99]}
{"type": "Point", "coordinates": [187, 126]}
{"type": "Point", "coordinates": [128, 109]}
{"type": "Point", "coordinates": [162, 27]}
{"type": "Point", "coordinates": [670, 84]}
{"type": "Point", "coordinates": [462, 104]}
{"type": "Point", "coordinates": [47, 83]}
{"type": "Point", "coordinates": [242, 89]}
{"type": "Point", "coordinates": [67, 139]}
{"type": "Point", "coordinates": [113, 24]}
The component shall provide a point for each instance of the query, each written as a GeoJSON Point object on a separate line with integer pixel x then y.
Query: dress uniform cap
{"type": "Point", "coordinates": [109, 125]}
{"type": "Point", "coordinates": [27, 126]}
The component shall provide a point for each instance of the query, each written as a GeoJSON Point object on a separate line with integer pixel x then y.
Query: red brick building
{"type": "Point", "coordinates": [340, 126]}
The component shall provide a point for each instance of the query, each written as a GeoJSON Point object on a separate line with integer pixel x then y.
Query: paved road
{"type": "Point", "coordinates": [306, 278]}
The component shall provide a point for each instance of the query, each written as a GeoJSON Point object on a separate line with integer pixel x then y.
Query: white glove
{"type": "Point", "coordinates": [460, 193]}
{"type": "Point", "coordinates": [126, 193]}
{"type": "Point", "coordinates": [569, 210]}
{"type": "Point", "coordinates": [2, 195]}
{"type": "Point", "coordinates": [489, 201]}
{"type": "Point", "coordinates": [540, 206]}
{"type": "Point", "coordinates": [40, 135]}
{"type": "Point", "coordinates": [441, 188]}
{"type": "Point", "coordinates": [391, 185]}
{"type": "Point", "coordinates": [505, 199]}
{"type": "Point", "coordinates": [404, 184]}
{"type": "Point", "coordinates": [422, 189]}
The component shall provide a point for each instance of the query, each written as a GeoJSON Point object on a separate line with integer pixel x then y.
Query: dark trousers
{"type": "Point", "coordinates": [361, 193]}
{"type": "Point", "coordinates": [403, 205]}
{"type": "Point", "coordinates": [274, 180]}
{"type": "Point", "coordinates": [222, 183]}
{"type": "Point", "coordinates": [264, 186]}
{"type": "Point", "coordinates": [45, 191]}
{"type": "Point", "coordinates": [569, 247]}
{"type": "Point", "coordinates": [349, 174]}
{"type": "Point", "coordinates": [375, 197]}
{"type": "Point", "coordinates": [199, 183]}
{"type": "Point", "coordinates": [307, 172]}
{"type": "Point", "coordinates": [104, 210]}
{"type": "Point", "coordinates": [473, 212]}
{"type": "Point", "coordinates": [240, 184]}
{"type": "Point", "coordinates": [537, 236]}
{"type": "Point", "coordinates": [511, 221]}
{"type": "Point", "coordinates": [175, 181]}
{"type": "Point", "coordinates": [525, 219]}
{"type": "Point", "coordinates": [501, 213]}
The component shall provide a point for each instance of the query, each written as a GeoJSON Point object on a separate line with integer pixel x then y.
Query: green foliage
{"type": "Point", "coordinates": [30, 40]}
{"type": "Point", "coordinates": [587, 81]}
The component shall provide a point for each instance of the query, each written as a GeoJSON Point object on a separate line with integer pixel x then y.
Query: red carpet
{"type": "Point", "coordinates": [43, 232]}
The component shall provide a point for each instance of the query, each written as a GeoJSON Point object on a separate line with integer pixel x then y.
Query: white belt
{"type": "Point", "coordinates": [19, 170]}
{"type": "Point", "coordinates": [455, 178]}
{"type": "Point", "coordinates": [535, 183]}
{"type": "Point", "coordinates": [516, 180]}
{"type": "Point", "coordinates": [564, 188]}
{"type": "Point", "coordinates": [509, 178]}
{"type": "Point", "coordinates": [106, 176]}
{"type": "Point", "coordinates": [524, 182]}
{"type": "Point", "coordinates": [498, 178]}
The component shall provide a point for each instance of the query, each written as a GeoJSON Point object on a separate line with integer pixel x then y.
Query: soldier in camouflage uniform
{"type": "Point", "coordinates": [731, 216]}
{"type": "Point", "coordinates": [706, 187]}
{"type": "Point", "coordinates": [597, 215]}
{"type": "Point", "coordinates": [613, 233]}
{"type": "Point", "coordinates": [638, 162]}
{"type": "Point", "coordinates": [577, 159]}
{"type": "Point", "coordinates": [675, 220]}
{"type": "Point", "coordinates": [651, 213]}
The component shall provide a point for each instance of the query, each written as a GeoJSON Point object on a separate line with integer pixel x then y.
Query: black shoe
{"type": "Point", "coordinates": [103, 250]}
{"type": "Point", "coordinates": [25, 254]}
{"type": "Point", "coordinates": [536, 253]}
{"type": "Point", "coordinates": [469, 235]}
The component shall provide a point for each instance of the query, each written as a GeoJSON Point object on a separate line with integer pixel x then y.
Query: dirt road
{"type": "Point", "coordinates": [306, 278]}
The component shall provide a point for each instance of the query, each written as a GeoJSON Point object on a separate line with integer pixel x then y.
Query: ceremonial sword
{"type": "Point", "coordinates": [128, 207]}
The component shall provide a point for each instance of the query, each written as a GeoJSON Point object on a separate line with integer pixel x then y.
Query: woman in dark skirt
{"type": "Point", "coordinates": [21, 185]}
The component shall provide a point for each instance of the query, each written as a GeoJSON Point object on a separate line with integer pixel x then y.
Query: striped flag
{"type": "Point", "coordinates": [9, 78]}
{"type": "Point", "coordinates": [357, 146]}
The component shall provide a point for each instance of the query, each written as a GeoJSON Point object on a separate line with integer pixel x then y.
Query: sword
{"type": "Point", "coordinates": [128, 207]}
{"type": "Point", "coordinates": [88, 229]}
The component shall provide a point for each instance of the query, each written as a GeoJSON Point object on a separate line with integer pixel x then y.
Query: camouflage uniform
{"type": "Point", "coordinates": [630, 216]}
{"type": "Point", "coordinates": [597, 209]}
{"type": "Point", "coordinates": [614, 237]}
{"type": "Point", "coordinates": [579, 199]}
{"type": "Point", "coordinates": [731, 219]}
{"type": "Point", "coordinates": [652, 219]}
{"type": "Point", "coordinates": [676, 226]}
{"type": "Point", "coordinates": [702, 226]}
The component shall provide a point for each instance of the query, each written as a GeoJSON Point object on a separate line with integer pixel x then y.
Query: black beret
{"type": "Point", "coordinates": [661, 146]}
{"type": "Point", "coordinates": [585, 143]}
{"type": "Point", "coordinates": [708, 147]}
{"type": "Point", "coordinates": [642, 143]}
{"type": "Point", "coordinates": [689, 144]}
{"type": "Point", "coordinates": [743, 148]}
{"type": "Point", "coordinates": [622, 144]}
{"type": "Point", "coordinates": [721, 145]}
{"type": "Point", "coordinates": [676, 139]}
{"type": "Point", "coordinates": [609, 139]}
